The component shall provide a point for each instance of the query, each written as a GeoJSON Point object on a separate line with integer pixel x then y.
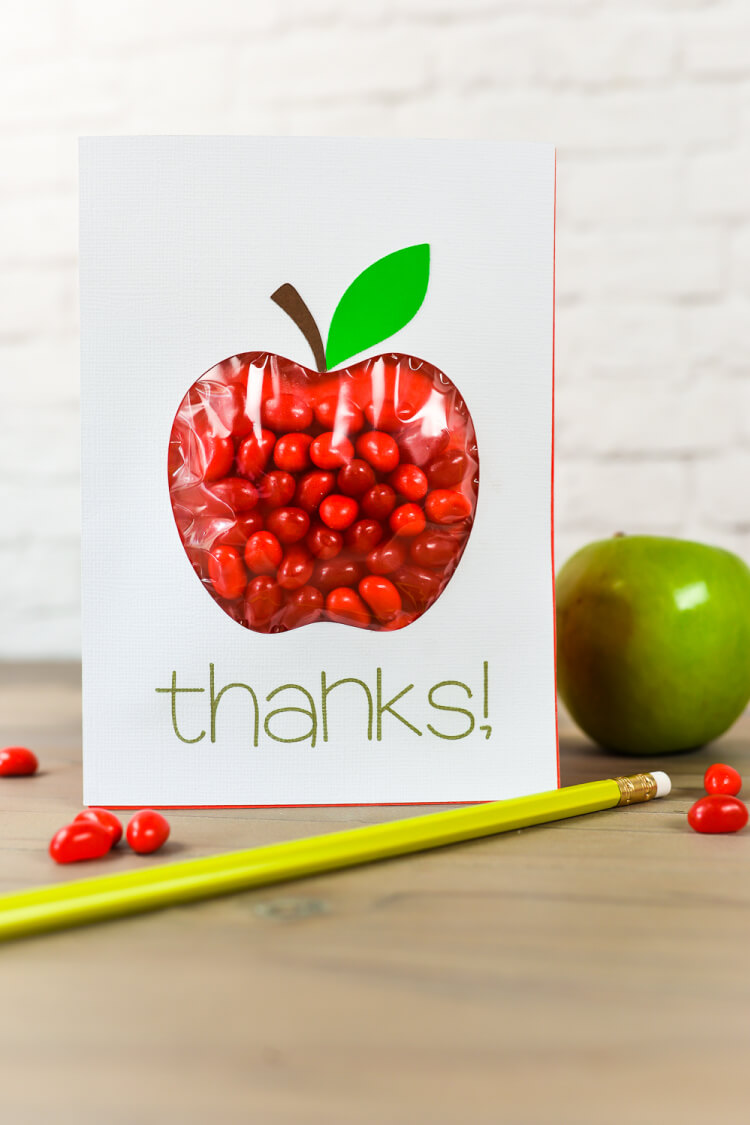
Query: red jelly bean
{"type": "Point", "coordinates": [409, 481]}
{"type": "Point", "coordinates": [217, 456]}
{"type": "Point", "coordinates": [331, 451]}
{"type": "Point", "coordinates": [227, 572]}
{"type": "Point", "coordinates": [263, 553]}
{"type": "Point", "coordinates": [106, 819]}
{"type": "Point", "coordinates": [722, 779]}
{"type": "Point", "coordinates": [81, 840]}
{"type": "Point", "coordinates": [418, 587]}
{"type": "Point", "coordinates": [292, 452]}
{"type": "Point", "coordinates": [312, 490]}
{"type": "Point", "coordinates": [355, 478]}
{"type": "Point", "coordinates": [338, 572]}
{"type": "Point", "coordinates": [17, 761]}
{"type": "Point", "coordinates": [303, 607]}
{"type": "Point", "coordinates": [381, 596]}
{"type": "Point", "coordinates": [448, 469]}
{"type": "Point", "coordinates": [276, 489]}
{"type": "Point", "coordinates": [433, 549]}
{"type": "Point", "coordinates": [363, 535]}
{"type": "Point", "coordinates": [385, 415]}
{"type": "Point", "coordinates": [147, 832]}
{"type": "Point", "coordinates": [717, 813]}
{"type": "Point", "coordinates": [254, 452]}
{"type": "Point", "coordinates": [386, 557]}
{"type": "Point", "coordinates": [379, 450]}
{"type": "Point", "coordinates": [240, 530]}
{"type": "Point", "coordinates": [324, 543]}
{"type": "Point", "coordinates": [407, 520]}
{"type": "Point", "coordinates": [286, 412]}
{"type": "Point", "coordinates": [296, 568]}
{"type": "Point", "coordinates": [379, 502]}
{"type": "Point", "coordinates": [338, 512]}
{"type": "Point", "coordinates": [263, 599]}
{"type": "Point", "coordinates": [335, 413]}
{"type": "Point", "coordinates": [289, 525]}
{"type": "Point", "coordinates": [345, 605]}
{"type": "Point", "coordinates": [237, 493]}
{"type": "Point", "coordinates": [446, 506]}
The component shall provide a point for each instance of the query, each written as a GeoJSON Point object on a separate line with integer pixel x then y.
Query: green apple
{"type": "Point", "coordinates": [653, 642]}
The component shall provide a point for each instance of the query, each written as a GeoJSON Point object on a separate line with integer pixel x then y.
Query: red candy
{"type": "Point", "coordinates": [296, 568]}
{"type": "Point", "coordinates": [313, 489]}
{"type": "Point", "coordinates": [106, 819]}
{"type": "Point", "coordinates": [17, 761]}
{"type": "Point", "coordinates": [381, 596]}
{"type": "Point", "coordinates": [355, 478]}
{"type": "Point", "coordinates": [331, 452]}
{"type": "Point", "coordinates": [218, 454]}
{"type": "Point", "coordinates": [303, 607]}
{"type": "Point", "coordinates": [363, 535]}
{"type": "Point", "coordinates": [286, 412]}
{"type": "Point", "coordinates": [292, 452]}
{"type": "Point", "coordinates": [338, 512]}
{"type": "Point", "coordinates": [409, 481]}
{"type": "Point", "coordinates": [407, 520]}
{"type": "Point", "coordinates": [324, 542]}
{"type": "Point", "coordinates": [379, 449]}
{"type": "Point", "coordinates": [446, 506]}
{"type": "Point", "coordinates": [254, 452]}
{"type": "Point", "coordinates": [304, 496]}
{"type": "Point", "coordinates": [722, 779]}
{"type": "Point", "coordinates": [334, 413]}
{"type": "Point", "coordinates": [263, 553]}
{"type": "Point", "coordinates": [236, 493]}
{"type": "Point", "coordinates": [346, 606]}
{"type": "Point", "coordinates": [81, 840]}
{"type": "Point", "coordinates": [717, 813]}
{"type": "Point", "coordinates": [379, 502]}
{"type": "Point", "coordinates": [147, 831]}
{"type": "Point", "coordinates": [289, 525]}
{"type": "Point", "coordinates": [227, 571]}
{"type": "Point", "coordinates": [276, 489]}
{"type": "Point", "coordinates": [263, 598]}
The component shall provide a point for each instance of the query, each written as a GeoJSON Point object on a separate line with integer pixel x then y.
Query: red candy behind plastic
{"type": "Point", "coordinates": [317, 464]}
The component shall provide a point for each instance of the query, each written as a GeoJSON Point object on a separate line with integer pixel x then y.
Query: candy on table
{"type": "Point", "coordinates": [147, 831]}
{"type": "Point", "coordinates": [717, 813]}
{"type": "Point", "coordinates": [292, 488]}
{"type": "Point", "coordinates": [720, 778]}
{"type": "Point", "coordinates": [17, 761]}
{"type": "Point", "coordinates": [81, 840]}
{"type": "Point", "coordinates": [106, 819]}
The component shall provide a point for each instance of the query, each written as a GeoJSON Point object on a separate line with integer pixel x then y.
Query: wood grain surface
{"type": "Point", "coordinates": [587, 972]}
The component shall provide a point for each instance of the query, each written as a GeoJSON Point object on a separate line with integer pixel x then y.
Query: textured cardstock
{"type": "Point", "coordinates": [183, 240]}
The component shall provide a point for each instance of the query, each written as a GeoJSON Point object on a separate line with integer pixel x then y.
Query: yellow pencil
{"type": "Point", "coordinates": [153, 888]}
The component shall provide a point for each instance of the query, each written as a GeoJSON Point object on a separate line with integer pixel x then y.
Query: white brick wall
{"type": "Point", "coordinates": [649, 103]}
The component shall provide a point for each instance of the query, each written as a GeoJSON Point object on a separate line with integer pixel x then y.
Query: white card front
{"type": "Point", "coordinates": [317, 572]}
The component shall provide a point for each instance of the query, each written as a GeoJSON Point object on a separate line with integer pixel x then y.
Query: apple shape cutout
{"type": "Point", "coordinates": [340, 495]}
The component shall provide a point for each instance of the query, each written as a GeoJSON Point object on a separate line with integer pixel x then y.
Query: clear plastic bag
{"type": "Point", "coordinates": [343, 496]}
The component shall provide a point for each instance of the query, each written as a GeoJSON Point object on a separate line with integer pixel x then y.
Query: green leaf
{"type": "Point", "coordinates": [379, 303]}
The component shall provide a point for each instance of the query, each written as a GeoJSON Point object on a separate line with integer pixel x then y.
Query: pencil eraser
{"type": "Point", "coordinates": [663, 783]}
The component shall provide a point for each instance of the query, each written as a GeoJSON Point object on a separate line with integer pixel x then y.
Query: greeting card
{"type": "Point", "coordinates": [317, 470]}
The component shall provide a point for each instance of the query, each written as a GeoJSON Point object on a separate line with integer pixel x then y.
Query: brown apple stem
{"type": "Point", "coordinates": [288, 299]}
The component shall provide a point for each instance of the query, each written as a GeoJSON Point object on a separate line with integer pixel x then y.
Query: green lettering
{"type": "Point", "coordinates": [311, 712]}
{"type": "Point", "coordinates": [446, 707]}
{"type": "Point", "coordinates": [173, 690]}
{"type": "Point", "coordinates": [215, 699]}
{"type": "Point", "coordinates": [382, 707]}
{"type": "Point", "coordinates": [325, 691]}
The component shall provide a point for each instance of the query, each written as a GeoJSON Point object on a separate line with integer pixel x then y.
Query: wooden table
{"type": "Point", "coordinates": [591, 971]}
